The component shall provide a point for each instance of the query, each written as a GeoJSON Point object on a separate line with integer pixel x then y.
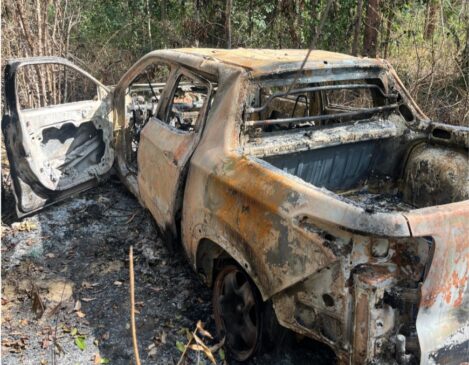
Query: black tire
{"type": "Point", "coordinates": [238, 312]}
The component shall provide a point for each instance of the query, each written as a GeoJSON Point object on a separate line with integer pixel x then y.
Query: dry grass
{"type": "Point", "coordinates": [437, 83]}
{"type": "Point", "coordinates": [431, 69]}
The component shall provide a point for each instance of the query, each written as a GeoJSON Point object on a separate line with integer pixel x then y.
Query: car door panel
{"type": "Point", "coordinates": [163, 158]}
{"type": "Point", "coordinates": [58, 150]}
{"type": "Point", "coordinates": [68, 144]}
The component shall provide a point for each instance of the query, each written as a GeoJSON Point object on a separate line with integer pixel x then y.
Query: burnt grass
{"type": "Point", "coordinates": [65, 289]}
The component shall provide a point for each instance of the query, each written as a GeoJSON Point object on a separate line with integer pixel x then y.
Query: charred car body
{"type": "Point", "coordinates": [326, 193]}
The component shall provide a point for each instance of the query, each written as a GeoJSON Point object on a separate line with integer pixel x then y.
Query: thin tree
{"type": "Point", "coordinates": [430, 18]}
{"type": "Point", "coordinates": [389, 20]}
{"type": "Point", "coordinates": [465, 52]}
{"type": "Point", "coordinates": [372, 23]}
{"type": "Point", "coordinates": [357, 27]}
{"type": "Point", "coordinates": [228, 23]}
{"type": "Point", "coordinates": [149, 24]}
{"type": "Point", "coordinates": [314, 19]}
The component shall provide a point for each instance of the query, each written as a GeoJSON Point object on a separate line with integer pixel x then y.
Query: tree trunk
{"type": "Point", "coordinates": [288, 10]}
{"type": "Point", "coordinates": [430, 18]}
{"type": "Point", "coordinates": [149, 25]}
{"type": "Point", "coordinates": [163, 10]}
{"type": "Point", "coordinates": [314, 20]}
{"type": "Point", "coordinates": [372, 22]}
{"type": "Point", "coordinates": [40, 75]}
{"type": "Point", "coordinates": [197, 10]}
{"type": "Point", "coordinates": [388, 28]}
{"type": "Point", "coordinates": [228, 23]}
{"type": "Point", "coordinates": [465, 53]}
{"type": "Point", "coordinates": [358, 24]}
{"type": "Point", "coordinates": [251, 24]}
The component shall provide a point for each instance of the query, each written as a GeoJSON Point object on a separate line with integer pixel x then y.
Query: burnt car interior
{"type": "Point", "coordinates": [187, 100]}
{"type": "Point", "coordinates": [351, 137]}
{"type": "Point", "coordinates": [142, 99]}
{"type": "Point", "coordinates": [144, 96]}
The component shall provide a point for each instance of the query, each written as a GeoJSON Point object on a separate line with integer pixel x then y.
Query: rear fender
{"type": "Point", "coordinates": [442, 321]}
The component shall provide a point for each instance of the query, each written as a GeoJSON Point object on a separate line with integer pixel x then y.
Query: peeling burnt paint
{"type": "Point", "coordinates": [265, 217]}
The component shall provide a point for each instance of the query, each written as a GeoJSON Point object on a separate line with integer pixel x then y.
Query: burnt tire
{"type": "Point", "coordinates": [238, 312]}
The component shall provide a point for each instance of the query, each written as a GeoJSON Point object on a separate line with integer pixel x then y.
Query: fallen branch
{"type": "Point", "coordinates": [132, 305]}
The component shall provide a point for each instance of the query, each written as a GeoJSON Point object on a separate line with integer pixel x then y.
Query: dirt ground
{"type": "Point", "coordinates": [65, 289]}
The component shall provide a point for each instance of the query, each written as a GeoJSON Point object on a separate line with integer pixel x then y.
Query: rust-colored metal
{"type": "Point", "coordinates": [345, 273]}
{"type": "Point", "coordinates": [355, 228]}
{"type": "Point", "coordinates": [442, 322]}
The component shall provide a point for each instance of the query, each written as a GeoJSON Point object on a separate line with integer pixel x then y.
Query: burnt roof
{"type": "Point", "coordinates": [262, 61]}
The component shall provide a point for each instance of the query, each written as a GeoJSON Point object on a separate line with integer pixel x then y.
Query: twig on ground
{"type": "Point", "coordinates": [183, 355]}
{"type": "Point", "coordinates": [132, 305]}
{"type": "Point", "coordinates": [54, 335]}
{"type": "Point", "coordinates": [132, 217]}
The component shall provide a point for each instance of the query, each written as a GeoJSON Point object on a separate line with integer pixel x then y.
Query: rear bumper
{"type": "Point", "coordinates": [380, 312]}
{"type": "Point", "coordinates": [363, 324]}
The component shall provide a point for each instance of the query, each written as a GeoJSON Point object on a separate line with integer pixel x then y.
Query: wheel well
{"type": "Point", "coordinates": [210, 256]}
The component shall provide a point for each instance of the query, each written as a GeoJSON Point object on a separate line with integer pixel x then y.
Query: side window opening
{"type": "Point", "coordinates": [141, 102]}
{"type": "Point", "coordinates": [49, 84]}
{"type": "Point", "coordinates": [186, 103]}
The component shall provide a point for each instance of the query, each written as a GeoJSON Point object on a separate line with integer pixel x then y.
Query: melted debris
{"type": "Point", "coordinates": [378, 202]}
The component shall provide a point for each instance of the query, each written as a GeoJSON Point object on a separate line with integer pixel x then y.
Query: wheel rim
{"type": "Point", "coordinates": [237, 312]}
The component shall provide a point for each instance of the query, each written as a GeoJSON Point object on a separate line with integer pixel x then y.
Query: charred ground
{"type": "Point", "coordinates": [66, 270]}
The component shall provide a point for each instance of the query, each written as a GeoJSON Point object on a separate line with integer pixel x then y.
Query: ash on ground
{"type": "Point", "coordinates": [65, 289]}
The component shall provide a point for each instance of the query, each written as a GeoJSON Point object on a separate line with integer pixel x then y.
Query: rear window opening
{"type": "Point", "coordinates": [277, 108]}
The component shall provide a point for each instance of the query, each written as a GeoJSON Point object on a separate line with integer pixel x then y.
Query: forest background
{"type": "Point", "coordinates": [427, 41]}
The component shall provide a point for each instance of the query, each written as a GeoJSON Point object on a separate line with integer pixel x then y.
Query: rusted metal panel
{"type": "Point", "coordinates": [268, 61]}
{"type": "Point", "coordinates": [442, 322]}
{"type": "Point", "coordinates": [268, 221]}
{"type": "Point", "coordinates": [162, 157]}
{"type": "Point", "coordinates": [270, 213]}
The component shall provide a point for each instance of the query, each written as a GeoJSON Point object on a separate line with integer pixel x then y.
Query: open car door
{"type": "Point", "coordinates": [57, 130]}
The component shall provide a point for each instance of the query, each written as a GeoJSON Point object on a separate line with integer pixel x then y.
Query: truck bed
{"type": "Point", "coordinates": [372, 164]}
{"type": "Point", "coordinates": [378, 202]}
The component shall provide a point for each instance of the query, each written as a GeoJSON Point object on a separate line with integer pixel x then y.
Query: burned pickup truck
{"type": "Point", "coordinates": [321, 195]}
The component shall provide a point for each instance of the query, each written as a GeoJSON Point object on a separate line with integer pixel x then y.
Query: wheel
{"type": "Point", "coordinates": [237, 308]}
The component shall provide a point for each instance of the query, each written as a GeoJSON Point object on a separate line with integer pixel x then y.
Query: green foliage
{"type": "Point", "coordinates": [80, 342]}
{"type": "Point", "coordinates": [108, 36]}
{"type": "Point", "coordinates": [180, 346]}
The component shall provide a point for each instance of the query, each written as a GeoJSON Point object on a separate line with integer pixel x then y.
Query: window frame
{"type": "Point", "coordinates": [101, 90]}
{"type": "Point", "coordinates": [168, 95]}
